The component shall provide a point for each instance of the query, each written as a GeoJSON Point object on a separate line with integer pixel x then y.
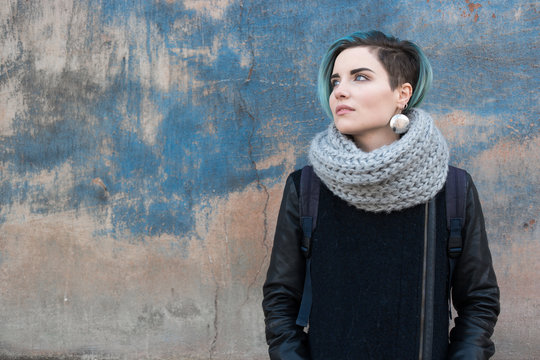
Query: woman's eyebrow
{"type": "Point", "coordinates": [361, 69]}
{"type": "Point", "coordinates": [354, 71]}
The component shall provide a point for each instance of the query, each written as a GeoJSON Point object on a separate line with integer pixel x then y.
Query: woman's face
{"type": "Point", "coordinates": [362, 101]}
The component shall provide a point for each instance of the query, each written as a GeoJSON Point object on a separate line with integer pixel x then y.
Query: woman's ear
{"type": "Point", "coordinates": [404, 94]}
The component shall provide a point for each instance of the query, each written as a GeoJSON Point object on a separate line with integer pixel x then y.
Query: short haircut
{"type": "Point", "coordinates": [403, 60]}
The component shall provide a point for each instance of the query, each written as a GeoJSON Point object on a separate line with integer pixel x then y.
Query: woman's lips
{"type": "Point", "coordinates": [343, 109]}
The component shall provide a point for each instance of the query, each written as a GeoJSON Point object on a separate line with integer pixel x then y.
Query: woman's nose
{"type": "Point", "coordinates": [341, 91]}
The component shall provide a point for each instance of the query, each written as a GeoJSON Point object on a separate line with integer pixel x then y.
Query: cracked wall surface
{"type": "Point", "coordinates": [144, 147]}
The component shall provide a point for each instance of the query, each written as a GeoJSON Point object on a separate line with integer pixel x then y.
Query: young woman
{"type": "Point", "coordinates": [382, 186]}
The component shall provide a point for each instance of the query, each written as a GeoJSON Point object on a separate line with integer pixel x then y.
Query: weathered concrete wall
{"type": "Point", "coordinates": [144, 146]}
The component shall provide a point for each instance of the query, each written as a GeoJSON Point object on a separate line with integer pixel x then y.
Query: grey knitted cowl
{"type": "Point", "coordinates": [408, 172]}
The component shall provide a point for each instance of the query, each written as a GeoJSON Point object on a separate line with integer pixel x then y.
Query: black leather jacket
{"type": "Point", "coordinates": [475, 294]}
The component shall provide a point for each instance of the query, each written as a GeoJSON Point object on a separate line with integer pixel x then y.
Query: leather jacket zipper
{"type": "Point", "coordinates": [428, 282]}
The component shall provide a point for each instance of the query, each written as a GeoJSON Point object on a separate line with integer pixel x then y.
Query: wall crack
{"type": "Point", "coordinates": [260, 184]}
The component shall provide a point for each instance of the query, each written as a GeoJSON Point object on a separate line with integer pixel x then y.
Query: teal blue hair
{"type": "Point", "coordinates": [403, 60]}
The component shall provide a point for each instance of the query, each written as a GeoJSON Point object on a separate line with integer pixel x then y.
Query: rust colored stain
{"type": "Point", "coordinates": [250, 72]}
{"type": "Point", "coordinates": [471, 7]}
{"type": "Point", "coordinates": [474, 6]}
{"type": "Point", "coordinates": [529, 225]}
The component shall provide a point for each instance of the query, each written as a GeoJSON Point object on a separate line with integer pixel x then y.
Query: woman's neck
{"type": "Point", "coordinates": [370, 141]}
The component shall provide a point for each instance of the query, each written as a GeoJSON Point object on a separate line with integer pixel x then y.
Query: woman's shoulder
{"type": "Point", "coordinates": [295, 175]}
{"type": "Point", "coordinates": [294, 179]}
{"type": "Point", "coordinates": [455, 172]}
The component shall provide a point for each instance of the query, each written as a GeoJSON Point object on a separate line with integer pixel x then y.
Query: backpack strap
{"type": "Point", "coordinates": [456, 196]}
{"type": "Point", "coordinates": [309, 205]}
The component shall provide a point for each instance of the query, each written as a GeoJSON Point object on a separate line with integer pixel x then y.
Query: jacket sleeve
{"type": "Point", "coordinates": [475, 292]}
{"type": "Point", "coordinates": [284, 284]}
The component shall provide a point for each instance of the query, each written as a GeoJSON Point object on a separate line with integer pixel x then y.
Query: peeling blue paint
{"type": "Point", "coordinates": [189, 163]}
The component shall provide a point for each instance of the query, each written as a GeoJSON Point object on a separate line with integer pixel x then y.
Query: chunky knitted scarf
{"type": "Point", "coordinates": [406, 173]}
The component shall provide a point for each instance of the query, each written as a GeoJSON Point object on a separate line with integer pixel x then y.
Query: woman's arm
{"type": "Point", "coordinates": [475, 293]}
{"type": "Point", "coordinates": [284, 284]}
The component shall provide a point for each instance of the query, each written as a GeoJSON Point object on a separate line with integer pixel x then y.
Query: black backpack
{"type": "Point", "coordinates": [456, 193]}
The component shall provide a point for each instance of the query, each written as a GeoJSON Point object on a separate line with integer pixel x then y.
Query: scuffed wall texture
{"type": "Point", "coordinates": [145, 144]}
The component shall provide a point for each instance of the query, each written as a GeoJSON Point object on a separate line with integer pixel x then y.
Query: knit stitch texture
{"type": "Point", "coordinates": [408, 172]}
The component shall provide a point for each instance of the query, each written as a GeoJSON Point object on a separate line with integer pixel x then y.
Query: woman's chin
{"type": "Point", "coordinates": [343, 127]}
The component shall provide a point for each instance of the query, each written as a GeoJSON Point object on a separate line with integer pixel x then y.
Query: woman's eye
{"type": "Point", "coordinates": [334, 83]}
{"type": "Point", "coordinates": [360, 77]}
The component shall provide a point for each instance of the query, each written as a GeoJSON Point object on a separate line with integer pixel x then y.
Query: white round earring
{"type": "Point", "coordinates": [399, 123]}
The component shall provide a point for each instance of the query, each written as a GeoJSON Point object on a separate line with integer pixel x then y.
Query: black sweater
{"type": "Point", "coordinates": [367, 277]}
